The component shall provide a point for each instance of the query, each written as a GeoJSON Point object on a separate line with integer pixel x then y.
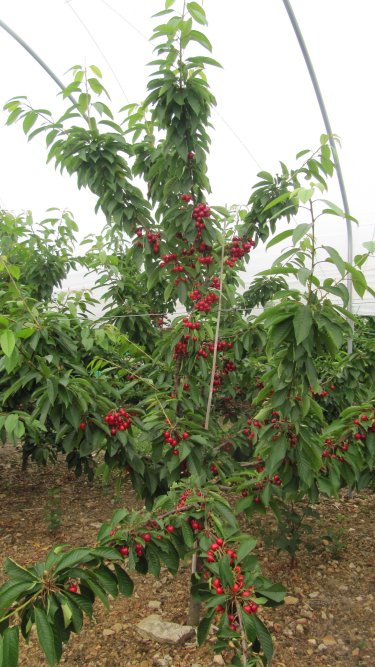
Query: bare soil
{"type": "Point", "coordinates": [329, 621]}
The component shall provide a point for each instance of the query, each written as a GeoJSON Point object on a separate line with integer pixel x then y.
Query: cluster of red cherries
{"type": "Point", "coordinates": [238, 249]}
{"type": "Point", "coordinates": [333, 450]}
{"type": "Point", "coordinates": [200, 211]}
{"type": "Point", "coordinates": [172, 438]}
{"type": "Point", "coordinates": [154, 240]}
{"type": "Point", "coordinates": [118, 420]}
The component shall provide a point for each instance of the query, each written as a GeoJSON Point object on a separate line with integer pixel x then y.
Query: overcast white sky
{"type": "Point", "coordinates": [264, 96]}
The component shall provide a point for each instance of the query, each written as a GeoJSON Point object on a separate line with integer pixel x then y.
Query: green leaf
{"type": "Point", "coordinates": [369, 245]}
{"type": "Point", "coordinates": [17, 572]}
{"type": "Point", "coordinates": [197, 12]}
{"type": "Point", "coordinates": [203, 60]}
{"type": "Point", "coordinates": [266, 176]}
{"type": "Point", "coordinates": [225, 571]}
{"type": "Point", "coordinates": [153, 561]}
{"type": "Point", "coordinates": [299, 232]}
{"type": "Point", "coordinates": [279, 237]}
{"type": "Point", "coordinates": [107, 580]}
{"type": "Point", "coordinates": [204, 627]}
{"type": "Point", "coordinates": [125, 583]}
{"type": "Point", "coordinates": [96, 71]}
{"type": "Point", "coordinates": [264, 637]}
{"type": "Point", "coordinates": [199, 37]}
{"type": "Point", "coordinates": [302, 323]}
{"type": "Point", "coordinates": [275, 592]}
{"type": "Point", "coordinates": [83, 102]}
{"type": "Point", "coordinates": [245, 547]}
{"type": "Point", "coordinates": [277, 200]}
{"type": "Point", "coordinates": [187, 534]}
{"type": "Point", "coordinates": [336, 259]}
{"type": "Point", "coordinates": [278, 451]}
{"type": "Point", "coordinates": [358, 279]}
{"type": "Point", "coordinates": [73, 558]}
{"type": "Point", "coordinates": [336, 210]}
{"type": "Point", "coordinates": [10, 591]}
{"type": "Point", "coordinates": [170, 557]}
{"type": "Point", "coordinates": [10, 647]}
{"type": "Point", "coordinates": [45, 636]}
{"type": "Point", "coordinates": [29, 121]}
{"type": "Point", "coordinates": [7, 342]}
{"type": "Point", "coordinates": [96, 86]}
{"type": "Point", "coordinates": [14, 271]}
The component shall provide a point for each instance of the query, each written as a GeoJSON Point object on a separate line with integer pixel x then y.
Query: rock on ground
{"type": "Point", "coordinates": [153, 627]}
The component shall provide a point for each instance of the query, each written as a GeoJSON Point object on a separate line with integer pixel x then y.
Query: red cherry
{"type": "Point", "coordinates": [185, 435]}
{"type": "Point", "coordinates": [146, 537]}
{"type": "Point", "coordinates": [220, 541]}
{"type": "Point", "coordinates": [169, 529]}
{"type": "Point", "coordinates": [82, 426]}
{"type": "Point", "coordinates": [113, 431]}
{"type": "Point", "coordinates": [73, 588]}
{"type": "Point", "coordinates": [124, 551]}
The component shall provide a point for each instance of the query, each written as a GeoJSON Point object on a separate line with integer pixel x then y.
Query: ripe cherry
{"type": "Point", "coordinates": [169, 529]}
{"type": "Point", "coordinates": [82, 426]}
{"type": "Point", "coordinates": [124, 551]}
{"type": "Point", "coordinates": [73, 588]}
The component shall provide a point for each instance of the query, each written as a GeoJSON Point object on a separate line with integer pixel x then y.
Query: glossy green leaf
{"type": "Point", "coordinates": [7, 342]}
{"type": "Point", "coordinates": [302, 323]}
{"type": "Point", "coordinates": [45, 636]}
{"type": "Point", "coordinates": [10, 647]}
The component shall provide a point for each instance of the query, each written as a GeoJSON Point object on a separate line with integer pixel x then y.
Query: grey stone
{"type": "Point", "coordinates": [154, 604]}
{"type": "Point", "coordinates": [218, 660]}
{"type": "Point", "coordinates": [289, 599]}
{"type": "Point", "coordinates": [153, 627]}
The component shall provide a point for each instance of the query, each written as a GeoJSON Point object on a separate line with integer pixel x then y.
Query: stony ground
{"type": "Point", "coordinates": [328, 619]}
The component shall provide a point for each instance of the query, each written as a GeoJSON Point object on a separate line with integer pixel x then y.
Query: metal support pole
{"type": "Point", "coordinates": [336, 159]}
{"type": "Point", "coordinates": [34, 55]}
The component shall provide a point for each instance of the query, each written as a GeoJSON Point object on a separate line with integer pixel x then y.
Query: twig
{"type": "Point", "coordinates": [244, 644]}
{"type": "Point", "coordinates": [212, 379]}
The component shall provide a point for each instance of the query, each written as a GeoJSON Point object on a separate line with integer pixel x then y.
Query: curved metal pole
{"type": "Point", "coordinates": [37, 58]}
{"type": "Point", "coordinates": [336, 159]}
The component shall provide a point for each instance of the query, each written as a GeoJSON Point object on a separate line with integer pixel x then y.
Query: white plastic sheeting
{"type": "Point", "coordinates": [266, 110]}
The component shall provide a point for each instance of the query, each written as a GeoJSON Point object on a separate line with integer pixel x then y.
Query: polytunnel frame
{"type": "Point", "coordinates": [323, 111]}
